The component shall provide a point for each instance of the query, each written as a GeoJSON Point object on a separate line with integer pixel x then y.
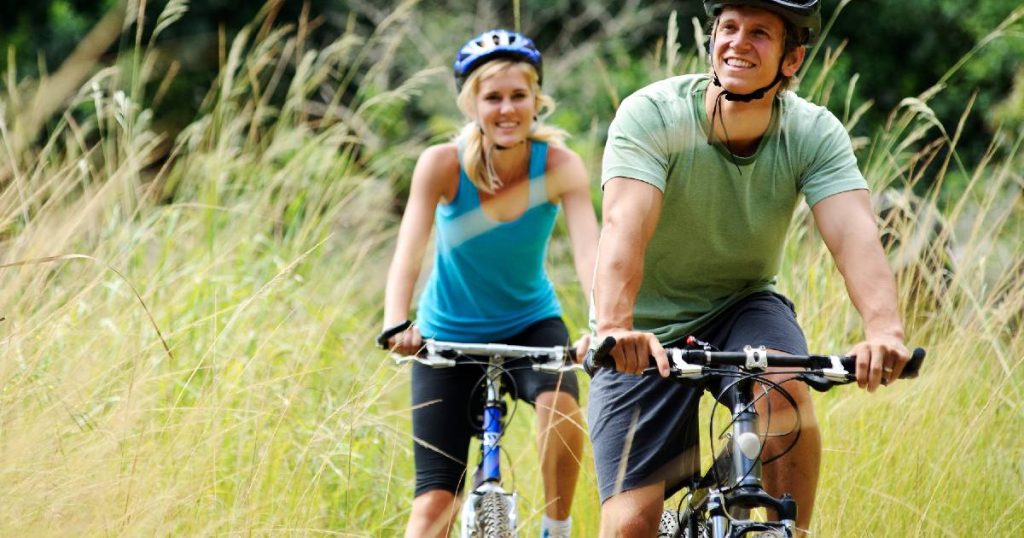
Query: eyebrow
{"type": "Point", "coordinates": [756, 24]}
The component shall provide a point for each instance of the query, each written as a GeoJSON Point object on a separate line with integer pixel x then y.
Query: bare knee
{"type": "Point", "coordinates": [784, 412]}
{"type": "Point", "coordinates": [432, 514]}
{"type": "Point", "coordinates": [633, 513]}
{"type": "Point", "coordinates": [557, 405]}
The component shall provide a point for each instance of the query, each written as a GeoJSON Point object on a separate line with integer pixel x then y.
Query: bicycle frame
{"type": "Point", "coordinates": [487, 493]}
{"type": "Point", "coordinates": [728, 504]}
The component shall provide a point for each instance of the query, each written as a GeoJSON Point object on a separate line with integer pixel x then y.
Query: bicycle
{"type": "Point", "coordinates": [489, 510]}
{"type": "Point", "coordinates": [718, 502]}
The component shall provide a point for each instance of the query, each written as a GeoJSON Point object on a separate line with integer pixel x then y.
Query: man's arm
{"type": "Point", "coordinates": [848, 227]}
{"type": "Point", "coordinates": [631, 209]}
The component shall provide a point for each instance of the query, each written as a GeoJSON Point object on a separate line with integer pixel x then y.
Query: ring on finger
{"type": "Point", "coordinates": [887, 369]}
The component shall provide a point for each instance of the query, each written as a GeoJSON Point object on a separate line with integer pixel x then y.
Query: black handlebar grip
{"type": "Point", "coordinates": [913, 367]}
{"type": "Point", "coordinates": [386, 334]}
{"type": "Point", "coordinates": [910, 371]}
{"type": "Point", "coordinates": [600, 357]}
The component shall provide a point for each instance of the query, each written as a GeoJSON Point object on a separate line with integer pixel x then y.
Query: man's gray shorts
{"type": "Point", "coordinates": [644, 429]}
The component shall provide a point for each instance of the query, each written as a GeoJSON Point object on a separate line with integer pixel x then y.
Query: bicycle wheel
{"type": "Point", "coordinates": [493, 516]}
{"type": "Point", "coordinates": [670, 525]}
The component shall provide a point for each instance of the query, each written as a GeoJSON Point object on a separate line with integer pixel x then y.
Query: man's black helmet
{"type": "Point", "coordinates": [805, 15]}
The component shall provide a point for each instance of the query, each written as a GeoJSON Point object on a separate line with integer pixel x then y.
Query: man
{"type": "Point", "coordinates": [701, 175]}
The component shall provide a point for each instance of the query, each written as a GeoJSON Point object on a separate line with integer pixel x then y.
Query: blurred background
{"type": "Point", "coordinates": [198, 204]}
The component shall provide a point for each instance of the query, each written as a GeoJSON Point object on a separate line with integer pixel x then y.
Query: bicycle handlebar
{"type": "Point", "coordinates": [688, 363]}
{"type": "Point", "coordinates": [440, 354]}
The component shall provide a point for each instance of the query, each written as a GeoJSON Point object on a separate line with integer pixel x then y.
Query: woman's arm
{"type": "Point", "coordinates": [574, 192]}
{"type": "Point", "coordinates": [431, 180]}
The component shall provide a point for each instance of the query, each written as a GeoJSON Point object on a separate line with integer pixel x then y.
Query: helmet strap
{"type": "Point", "coordinates": [746, 97]}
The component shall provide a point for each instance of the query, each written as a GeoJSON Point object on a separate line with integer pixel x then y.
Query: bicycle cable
{"type": "Point", "coordinates": [771, 385]}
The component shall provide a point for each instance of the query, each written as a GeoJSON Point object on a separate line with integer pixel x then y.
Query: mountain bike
{"type": "Point", "coordinates": [717, 503]}
{"type": "Point", "coordinates": [489, 510]}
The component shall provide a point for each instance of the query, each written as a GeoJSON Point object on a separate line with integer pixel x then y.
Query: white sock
{"type": "Point", "coordinates": [555, 528]}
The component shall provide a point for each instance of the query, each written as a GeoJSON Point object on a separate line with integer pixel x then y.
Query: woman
{"type": "Point", "coordinates": [494, 195]}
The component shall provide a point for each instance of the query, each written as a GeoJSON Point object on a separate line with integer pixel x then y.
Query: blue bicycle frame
{"type": "Point", "coordinates": [493, 426]}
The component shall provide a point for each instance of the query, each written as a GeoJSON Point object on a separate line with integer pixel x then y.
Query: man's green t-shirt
{"type": "Point", "coordinates": [724, 218]}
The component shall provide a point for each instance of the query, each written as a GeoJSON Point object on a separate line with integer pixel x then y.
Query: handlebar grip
{"type": "Point", "coordinates": [387, 333]}
{"type": "Point", "coordinates": [910, 371]}
{"type": "Point", "coordinates": [913, 367]}
{"type": "Point", "coordinates": [600, 357]}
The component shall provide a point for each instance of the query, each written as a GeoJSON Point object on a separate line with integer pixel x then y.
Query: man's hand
{"type": "Point", "coordinates": [880, 360]}
{"type": "Point", "coordinates": [633, 350]}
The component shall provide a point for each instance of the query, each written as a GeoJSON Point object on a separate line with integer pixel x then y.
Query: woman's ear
{"type": "Point", "coordinates": [793, 60]}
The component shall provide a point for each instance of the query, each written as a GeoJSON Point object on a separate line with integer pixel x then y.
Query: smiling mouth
{"type": "Point", "coordinates": [737, 62]}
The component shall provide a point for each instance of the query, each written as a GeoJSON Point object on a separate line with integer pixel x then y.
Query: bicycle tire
{"type": "Point", "coordinates": [493, 518]}
{"type": "Point", "coordinates": [671, 525]}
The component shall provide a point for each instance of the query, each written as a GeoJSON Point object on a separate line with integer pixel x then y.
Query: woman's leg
{"type": "Point", "coordinates": [560, 440]}
{"type": "Point", "coordinates": [441, 425]}
{"type": "Point", "coordinates": [433, 514]}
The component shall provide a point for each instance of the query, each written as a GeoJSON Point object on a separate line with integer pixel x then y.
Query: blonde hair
{"type": "Point", "coordinates": [476, 157]}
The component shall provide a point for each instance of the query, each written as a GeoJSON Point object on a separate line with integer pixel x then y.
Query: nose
{"type": "Point", "coordinates": [740, 39]}
{"type": "Point", "coordinates": [506, 106]}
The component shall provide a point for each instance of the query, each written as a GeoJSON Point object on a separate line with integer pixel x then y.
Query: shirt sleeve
{"type": "Point", "coordinates": [637, 145]}
{"type": "Point", "coordinates": [833, 165]}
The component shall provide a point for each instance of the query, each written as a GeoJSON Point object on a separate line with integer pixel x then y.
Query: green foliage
{"type": "Point", "coordinates": [901, 49]}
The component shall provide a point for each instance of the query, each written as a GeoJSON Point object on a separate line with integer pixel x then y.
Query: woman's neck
{"type": "Point", "coordinates": [511, 163]}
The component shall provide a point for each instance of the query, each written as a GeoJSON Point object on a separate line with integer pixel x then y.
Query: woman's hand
{"type": "Point", "coordinates": [407, 342]}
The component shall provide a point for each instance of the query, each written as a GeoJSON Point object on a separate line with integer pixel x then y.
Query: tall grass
{"type": "Point", "coordinates": [185, 335]}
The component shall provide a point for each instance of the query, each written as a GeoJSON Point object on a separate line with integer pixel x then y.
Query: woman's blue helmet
{"type": "Point", "coordinates": [495, 44]}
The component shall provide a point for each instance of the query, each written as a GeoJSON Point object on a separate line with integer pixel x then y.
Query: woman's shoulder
{"type": "Point", "coordinates": [440, 161]}
{"type": "Point", "coordinates": [565, 167]}
{"type": "Point", "coordinates": [559, 156]}
{"type": "Point", "coordinates": [441, 157]}
{"type": "Point", "coordinates": [437, 170]}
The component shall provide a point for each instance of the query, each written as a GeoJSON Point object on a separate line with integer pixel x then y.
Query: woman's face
{"type": "Point", "coordinates": [505, 107]}
{"type": "Point", "coordinates": [748, 48]}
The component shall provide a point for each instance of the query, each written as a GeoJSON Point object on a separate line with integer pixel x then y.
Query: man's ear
{"type": "Point", "coordinates": [793, 60]}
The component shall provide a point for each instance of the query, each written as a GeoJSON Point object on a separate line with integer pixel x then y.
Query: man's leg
{"type": "Point", "coordinates": [795, 473]}
{"type": "Point", "coordinates": [560, 440]}
{"type": "Point", "coordinates": [633, 513]}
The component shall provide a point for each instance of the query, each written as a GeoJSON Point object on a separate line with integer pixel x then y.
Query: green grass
{"type": "Point", "coordinates": [186, 343]}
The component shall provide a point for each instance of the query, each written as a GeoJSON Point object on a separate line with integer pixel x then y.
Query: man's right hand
{"type": "Point", "coordinates": [633, 350]}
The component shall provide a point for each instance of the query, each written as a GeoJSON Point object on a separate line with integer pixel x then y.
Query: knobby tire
{"type": "Point", "coordinates": [493, 517]}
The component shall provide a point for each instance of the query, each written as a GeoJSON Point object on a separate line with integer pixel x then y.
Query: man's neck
{"type": "Point", "coordinates": [745, 123]}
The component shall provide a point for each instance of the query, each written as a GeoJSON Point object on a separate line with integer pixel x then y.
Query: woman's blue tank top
{"type": "Point", "coordinates": [488, 282]}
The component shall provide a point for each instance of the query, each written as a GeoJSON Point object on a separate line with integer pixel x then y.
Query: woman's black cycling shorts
{"type": "Point", "coordinates": [448, 405]}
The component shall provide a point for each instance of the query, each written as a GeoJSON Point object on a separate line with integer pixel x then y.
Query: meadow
{"type": "Point", "coordinates": [186, 323]}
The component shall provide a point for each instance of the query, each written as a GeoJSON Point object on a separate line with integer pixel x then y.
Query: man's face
{"type": "Point", "coordinates": [748, 44]}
